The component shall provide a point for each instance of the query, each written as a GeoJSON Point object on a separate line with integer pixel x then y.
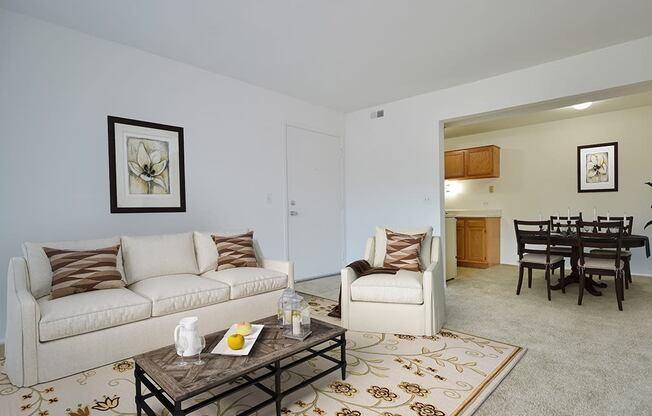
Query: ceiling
{"type": "Point", "coordinates": [545, 112]}
{"type": "Point", "coordinates": [351, 54]}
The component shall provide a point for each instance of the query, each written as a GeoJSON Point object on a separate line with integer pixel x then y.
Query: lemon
{"type": "Point", "coordinates": [235, 341]}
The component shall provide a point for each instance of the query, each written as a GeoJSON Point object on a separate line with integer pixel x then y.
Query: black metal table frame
{"type": "Point", "coordinates": [275, 370]}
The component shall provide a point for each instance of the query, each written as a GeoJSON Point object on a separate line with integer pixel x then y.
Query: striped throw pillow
{"type": "Point", "coordinates": [235, 251]}
{"type": "Point", "coordinates": [82, 271]}
{"type": "Point", "coordinates": [403, 251]}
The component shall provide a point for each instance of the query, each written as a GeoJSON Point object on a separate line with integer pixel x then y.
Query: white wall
{"type": "Point", "coordinates": [538, 173]}
{"type": "Point", "coordinates": [394, 163]}
{"type": "Point", "coordinates": [56, 88]}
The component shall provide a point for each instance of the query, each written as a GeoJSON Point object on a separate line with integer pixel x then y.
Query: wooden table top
{"type": "Point", "coordinates": [629, 241]}
{"type": "Point", "coordinates": [181, 383]}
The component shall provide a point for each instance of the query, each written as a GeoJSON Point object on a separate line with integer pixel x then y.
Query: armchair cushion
{"type": "Point", "coordinates": [405, 287]}
{"type": "Point", "coordinates": [380, 247]}
{"type": "Point", "coordinates": [403, 251]}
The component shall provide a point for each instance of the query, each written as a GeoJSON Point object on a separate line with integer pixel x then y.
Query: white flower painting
{"type": "Point", "coordinates": [148, 166]}
{"type": "Point", "coordinates": [597, 167]}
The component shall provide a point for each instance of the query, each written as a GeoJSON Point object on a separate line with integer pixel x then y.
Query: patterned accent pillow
{"type": "Point", "coordinates": [235, 251]}
{"type": "Point", "coordinates": [403, 251]}
{"type": "Point", "coordinates": [82, 271]}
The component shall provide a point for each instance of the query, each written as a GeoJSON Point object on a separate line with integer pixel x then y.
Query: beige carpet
{"type": "Point", "coordinates": [581, 360]}
{"type": "Point", "coordinates": [388, 375]}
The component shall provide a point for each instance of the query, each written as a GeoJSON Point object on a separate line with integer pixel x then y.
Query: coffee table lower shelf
{"type": "Point", "coordinates": [274, 370]}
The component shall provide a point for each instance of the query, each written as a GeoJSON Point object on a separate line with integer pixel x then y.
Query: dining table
{"type": "Point", "coordinates": [569, 239]}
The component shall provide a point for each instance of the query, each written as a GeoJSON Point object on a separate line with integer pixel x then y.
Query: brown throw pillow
{"type": "Point", "coordinates": [235, 251]}
{"type": "Point", "coordinates": [403, 251]}
{"type": "Point", "coordinates": [82, 271]}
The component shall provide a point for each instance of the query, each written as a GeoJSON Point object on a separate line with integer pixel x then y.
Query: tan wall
{"type": "Point", "coordinates": [539, 173]}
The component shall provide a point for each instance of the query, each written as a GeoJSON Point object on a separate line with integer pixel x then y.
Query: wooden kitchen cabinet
{"type": "Point", "coordinates": [460, 240]}
{"type": "Point", "coordinates": [472, 163]}
{"type": "Point", "coordinates": [478, 241]}
{"type": "Point", "coordinates": [454, 164]}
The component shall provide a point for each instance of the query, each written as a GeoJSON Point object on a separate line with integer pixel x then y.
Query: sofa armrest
{"type": "Point", "coordinates": [21, 337]}
{"type": "Point", "coordinates": [434, 297]}
{"type": "Point", "coordinates": [286, 267]}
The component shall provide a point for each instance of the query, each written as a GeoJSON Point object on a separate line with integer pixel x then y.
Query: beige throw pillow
{"type": "Point", "coordinates": [235, 251]}
{"type": "Point", "coordinates": [403, 251]}
{"type": "Point", "coordinates": [83, 271]}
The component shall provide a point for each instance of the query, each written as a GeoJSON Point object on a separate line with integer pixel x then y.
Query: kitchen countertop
{"type": "Point", "coordinates": [480, 213]}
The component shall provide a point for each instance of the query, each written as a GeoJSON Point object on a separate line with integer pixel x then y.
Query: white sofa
{"type": "Point", "coordinates": [167, 276]}
{"type": "Point", "coordinates": [408, 302]}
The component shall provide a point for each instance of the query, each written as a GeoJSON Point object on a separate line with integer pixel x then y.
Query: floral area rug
{"type": "Point", "coordinates": [448, 374]}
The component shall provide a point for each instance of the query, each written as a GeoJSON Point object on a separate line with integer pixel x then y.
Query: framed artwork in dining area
{"type": "Point", "coordinates": [146, 166]}
{"type": "Point", "coordinates": [597, 167]}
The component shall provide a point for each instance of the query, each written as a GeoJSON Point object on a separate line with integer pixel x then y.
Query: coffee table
{"type": "Point", "coordinates": [172, 384]}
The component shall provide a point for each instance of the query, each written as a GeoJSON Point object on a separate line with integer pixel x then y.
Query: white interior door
{"type": "Point", "coordinates": [315, 203]}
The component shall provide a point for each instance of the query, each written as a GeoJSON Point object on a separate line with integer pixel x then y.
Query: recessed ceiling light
{"type": "Point", "coordinates": [582, 106]}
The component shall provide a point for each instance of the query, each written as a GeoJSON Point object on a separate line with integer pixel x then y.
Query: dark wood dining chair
{"type": "Point", "coordinates": [626, 254]}
{"type": "Point", "coordinates": [565, 224]}
{"type": "Point", "coordinates": [608, 238]}
{"type": "Point", "coordinates": [533, 242]}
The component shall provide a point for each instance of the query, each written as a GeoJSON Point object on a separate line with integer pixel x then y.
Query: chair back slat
{"type": "Point", "coordinates": [628, 222]}
{"type": "Point", "coordinates": [565, 224]}
{"type": "Point", "coordinates": [532, 237]}
{"type": "Point", "coordinates": [600, 235]}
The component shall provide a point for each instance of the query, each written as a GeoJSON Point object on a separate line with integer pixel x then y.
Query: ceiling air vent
{"type": "Point", "coordinates": [378, 114]}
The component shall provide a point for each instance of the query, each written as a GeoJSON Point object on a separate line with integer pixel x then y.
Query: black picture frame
{"type": "Point", "coordinates": [115, 208]}
{"type": "Point", "coordinates": [580, 188]}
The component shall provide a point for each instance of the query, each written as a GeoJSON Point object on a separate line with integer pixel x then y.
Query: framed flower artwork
{"type": "Point", "coordinates": [146, 167]}
{"type": "Point", "coordinates": [597, 167]}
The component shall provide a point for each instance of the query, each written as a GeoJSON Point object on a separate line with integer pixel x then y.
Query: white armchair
{"type": "Point", "coordinates": [406, 303]}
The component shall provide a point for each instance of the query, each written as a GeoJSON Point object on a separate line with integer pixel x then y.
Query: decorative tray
{"type": "Point", "coordinates": [222, 348]}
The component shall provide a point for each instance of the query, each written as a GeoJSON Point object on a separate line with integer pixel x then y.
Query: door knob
{"type": "Point", "coordinates": [294, 213]}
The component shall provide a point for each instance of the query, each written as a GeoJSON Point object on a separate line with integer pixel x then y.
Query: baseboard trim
{"type": "Point", "coordinates": [307, 279]}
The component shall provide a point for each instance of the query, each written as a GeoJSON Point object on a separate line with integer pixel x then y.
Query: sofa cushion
{"type": "Point", "coordinates": [403, 287]}
{"type": "Point", "coordinates": [90, 311]}
{"type": "Point", "coordinates": [79, 271]}
{"type": "Point", "coordinates": [158, 255]}
{"type": "Point", "coordinates": [249, 281]}
{"type": "Point", "coordinates": [235, 251]}
{"type": "Point", "coordinates": [206, 250]}
{"type": "Point", "coordinates": [180, 292]}
{"type": "Point", "coordinates": [381, 244]}
{"type": "Point", "coordinates": [38, 264]}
